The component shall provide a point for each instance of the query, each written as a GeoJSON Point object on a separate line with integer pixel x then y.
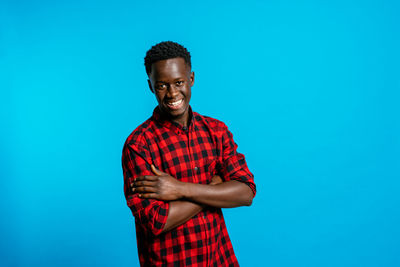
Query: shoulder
{"type": "Point", "coordinates": [138, 137]}
{"type": "Point", "coordinates": [212, 123]}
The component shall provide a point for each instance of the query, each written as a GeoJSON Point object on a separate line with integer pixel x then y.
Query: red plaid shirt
{"type": "Point", "coordinates": [193, 154]}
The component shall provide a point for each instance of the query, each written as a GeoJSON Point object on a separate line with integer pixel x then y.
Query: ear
{"type": "Point", "coordinates": [149, 83]}
{"type": "Point", "coordinates": [192, 78]}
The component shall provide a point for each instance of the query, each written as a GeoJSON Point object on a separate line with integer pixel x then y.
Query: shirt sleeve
{"type": "Point", "coordinates": [234, 166]}
{"type": "Point", "coordinates": [150, 213]}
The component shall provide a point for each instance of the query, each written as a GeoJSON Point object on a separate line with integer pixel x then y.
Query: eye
{"type": "Point", "coordinates": [160, 86]}
{"type": "Point", "coordinates": [179, 83]}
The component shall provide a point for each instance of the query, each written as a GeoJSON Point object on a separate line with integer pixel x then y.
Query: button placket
{"type": "Point", "coordinates": [191, 158]}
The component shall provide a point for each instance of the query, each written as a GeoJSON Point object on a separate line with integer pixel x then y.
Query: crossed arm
{"type": "Point", "coordinates": [187, 199]}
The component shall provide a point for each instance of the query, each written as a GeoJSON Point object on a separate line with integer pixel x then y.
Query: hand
{"type": "Point", "coordinates": [160, 186]}
{"type": "Point", "coordinates": [216, 179]}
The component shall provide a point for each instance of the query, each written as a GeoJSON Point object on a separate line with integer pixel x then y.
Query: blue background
{"type": "Point", "coordinates": [309, 89]}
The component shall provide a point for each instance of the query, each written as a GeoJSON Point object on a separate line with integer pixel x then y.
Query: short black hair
{"type": "Point", "coordinates": [165, 50]}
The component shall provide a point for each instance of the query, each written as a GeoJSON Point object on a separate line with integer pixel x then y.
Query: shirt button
{"type": "Point", "coordinates": [196, 168]}
{"type": "Point", "coordinates": [204, 217]}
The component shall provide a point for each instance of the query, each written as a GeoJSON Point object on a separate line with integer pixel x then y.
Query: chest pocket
{"type": "Point", "coordinates": [206, 169]}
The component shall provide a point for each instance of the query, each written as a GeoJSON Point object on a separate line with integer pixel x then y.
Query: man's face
{"type": "Point", "coordinates": [171, 81]}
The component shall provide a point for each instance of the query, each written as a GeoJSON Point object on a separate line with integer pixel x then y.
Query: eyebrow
{"type": "Point", "coordinates": [174, 80]}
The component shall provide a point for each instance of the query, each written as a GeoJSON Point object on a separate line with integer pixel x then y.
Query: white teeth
{"type": "Point", "coordinates": [175, 103]}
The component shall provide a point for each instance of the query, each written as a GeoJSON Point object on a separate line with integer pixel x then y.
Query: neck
{"type": "Point", "coordinates": [182, 121]}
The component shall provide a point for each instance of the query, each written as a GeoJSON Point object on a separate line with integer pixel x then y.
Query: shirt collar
{"type": "Point", "coordinates": [165, 122]}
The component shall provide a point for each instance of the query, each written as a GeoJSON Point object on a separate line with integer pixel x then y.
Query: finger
{"type": "Point", "coordinates": [144, 183]}
{"type": "Point", "coordinates": [148, 195]}
{"type": "Point", "coordinates": [139, 178]}
{"type": "Point", "coordinates": [216, 179]}
{"type": "Point", "coordinates": [157, 171]}
{"type": "Point", "coordinates": [146, 178]}
{"type": "Point", "coordinates": [145, 189]}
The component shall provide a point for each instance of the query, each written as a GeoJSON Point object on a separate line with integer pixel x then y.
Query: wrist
{"type": "Point", "coordinates": [186, 190]}
{"type": "Point", "coordinates": [182, 190]}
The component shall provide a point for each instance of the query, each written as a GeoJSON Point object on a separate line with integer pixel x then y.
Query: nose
{"type": "Point", "coordinates": [172, 91]}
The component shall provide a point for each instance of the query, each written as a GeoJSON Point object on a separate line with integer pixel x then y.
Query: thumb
{"type": "Point", "coordinates": [156, 171]}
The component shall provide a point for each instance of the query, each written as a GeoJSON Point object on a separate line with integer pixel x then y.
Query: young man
{"type": "Point", "coordinates": [180, 168]}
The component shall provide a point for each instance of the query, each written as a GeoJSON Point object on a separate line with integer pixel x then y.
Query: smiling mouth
{"type": "Point", "coordinates": [176, 104]}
